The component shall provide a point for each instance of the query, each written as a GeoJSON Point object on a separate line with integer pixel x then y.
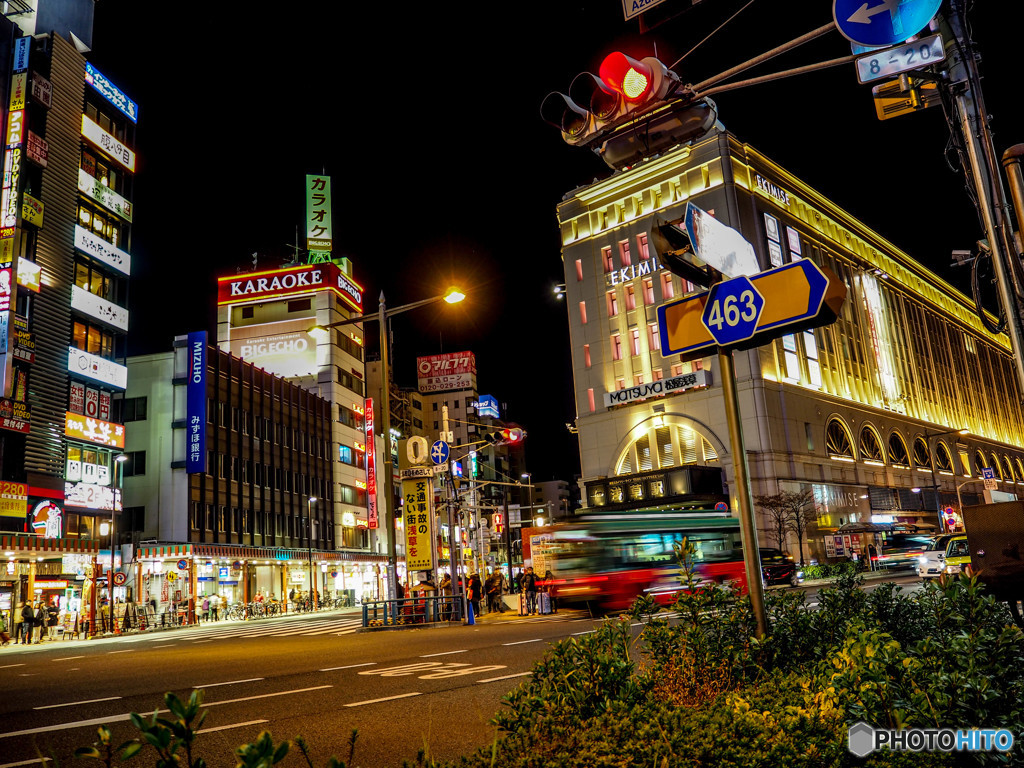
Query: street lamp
{"type": "Point", "coordinates": [935, 483]}
{"type": "Point", "coordinates": [309, 517]}
{"type": "Point", "coordinates": [452, 296]}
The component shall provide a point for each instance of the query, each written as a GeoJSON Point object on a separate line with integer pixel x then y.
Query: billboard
{"type": "Point", "coordinates": [371, 465]}
{"type": "Point", "coordinates": [195, 404]}
{"type": "Point", "coordinates": [275, 283]}
{"type": "Point", "coordinates": [446, 372]}
{"type": "Point", "coordinates": [284, 348]}
{"type": "Point", "coordinates": [318, 215]}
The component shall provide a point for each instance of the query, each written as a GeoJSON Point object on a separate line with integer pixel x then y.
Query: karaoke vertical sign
{"type": "Point", "coordinates": [10, 207]}
{"type": "Point", "coordinates": [371, 465]}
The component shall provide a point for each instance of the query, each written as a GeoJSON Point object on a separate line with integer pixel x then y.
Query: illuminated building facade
{"type": "Point", "coordinates": [69, 162]}
{"type": "Point", "coordinates": [865, 413]}
{"type": "Point", "coordinates": [276, 320]}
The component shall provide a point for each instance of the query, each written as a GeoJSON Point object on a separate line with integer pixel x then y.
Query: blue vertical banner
{"type": "Point", "coordinates": [195, 439]}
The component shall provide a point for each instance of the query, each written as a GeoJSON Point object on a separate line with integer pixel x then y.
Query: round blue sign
{"type": "Point", "coordinates": [721, 507]}
{"type": "Point", "coordinates": [439, 452]}
{"type": "Point", "coordinates": [732, 311]}
{"type": "Point", "coordinates": [882, 22]}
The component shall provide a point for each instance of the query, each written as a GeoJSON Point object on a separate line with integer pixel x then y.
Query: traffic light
{"type": "Point", "coordinates": [508, 436]}
{"type": "Point", "coordinates": [629, 109]}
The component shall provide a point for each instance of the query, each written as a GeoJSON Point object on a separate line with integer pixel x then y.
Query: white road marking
{"type": "Point", "coordinates": [386, 698]}
{"type": "Point", "coordinates": [588, 632]}
{"type": "Point", "coordinates": [6, 666]}
{"type": "Point", "coordinates": [128, 650]}
{"type": "Point", "coordinates": [210, 640]}
{"type": "Point", "coordinates": [349, 666]}
{"type": "Point", "coordinates": [265, 696]}
{"type": "Point", "coordinates": [69, 658]}
{"type": "Point", "coordinates": [33, 761]}
{"type": "Point", "coordinates": [522, 642]}
{"type": "Point", "coordinates": [165, 646]}
{"type": "Point", "coordinates": [76, 703]}
{"type": "Point", "coordinates": [443, 653]}
{"type": "Point", "coordinates": [66, 726]}
{"type": "Point", "coordinates": [230, 682]}
{"type": "Point", "coordinates": [504, 677]}
{"type": "Point", "coordinates": [225, 727]}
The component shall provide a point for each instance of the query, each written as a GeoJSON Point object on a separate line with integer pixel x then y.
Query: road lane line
{"type": "Point", "coordinates": [6, 666]}
{"type": "Point", "coordinates": [522, 642]}
{"type": "Point", "coordinates": [33, 761]}
{"type": "Point", "coordinates": [197, 642]}
{"type": "Point", "coordinates": [589, 631]}
{"type": "Point", "coordinates": [69, 658]}
{"type": "Point", "coordinates": [127, 650]}
{"type": "Point", "coordinates": [386, 698]}
{"type": "Point", "coordinates": [165, 646]}
{"type": "Point", "coordinates": [443, 653]}
{"type": "Point", "coordinates": [349, 666]}
{"type": "Point", "coordinates": [225, 727]}
{"type": "Point", "coordinates": [504, 677]}
{"type": "Point", "coordinates": [76, 703]}
{"type": "Point", "coordinates": [265, 696]}
{"type": "Point", "coordinates": [66, 726]}
{"type": "Point", "coordinates": [230, 682]}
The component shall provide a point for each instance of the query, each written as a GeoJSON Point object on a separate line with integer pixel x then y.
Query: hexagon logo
{"type": "Point", "coordinates": [860, 739]}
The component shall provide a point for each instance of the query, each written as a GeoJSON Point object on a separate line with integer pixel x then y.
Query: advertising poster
{"type": "Point", "coordinates": [446, 372]}
{"type": "Point", "coordinates": [284, 348]}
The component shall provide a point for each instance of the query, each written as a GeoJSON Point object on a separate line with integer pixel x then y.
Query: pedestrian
{"type": "Point", "coordinates": [476, 591]}
{"type": "Point", "coordinates": [215, 607]}
{"type": "Point", "coordinates": [549, 579]}
{"type": "Point", "coordinates": [530, 590]}
{"type": "Point", "coordinates": [206, 607]}
{"type": "Point", "coordinates": [291, 599]}
{"type": "Point", "coordinates": [446, 592]}
{"type": "Point", "coordinates": [5, 639]}
{"type": "Point", "coordinates": [39, 622]}
{"type": "Point", "coordinates": [19, 623]}
{"type": "Point", "coordinates": [52, 618]}
{"type": "Point", "coordinates": [517, 582]}
{"type": "Point", "coordinates": [493, 588]}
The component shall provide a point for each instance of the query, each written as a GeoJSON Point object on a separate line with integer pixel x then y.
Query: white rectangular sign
{"type": "Point", "coordinates": [101, 309]}
{"type": "Point", "coordinates": [95, 367]}
{"type": "Point", "coordinates": [101, 250]}
{"type": "Point", "coordinates": [671, 386]}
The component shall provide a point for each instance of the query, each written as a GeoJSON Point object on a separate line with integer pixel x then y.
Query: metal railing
{"type": "Point", "coordinates": [412, 610]}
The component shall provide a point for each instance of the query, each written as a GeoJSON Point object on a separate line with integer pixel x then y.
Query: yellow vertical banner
{"type": "Point", "coordinates": [418, 519]}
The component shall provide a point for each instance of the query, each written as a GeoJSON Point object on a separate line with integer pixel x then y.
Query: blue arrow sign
{"type": "Point", "coordinates": [439, 452]}
{"type": "Point", "coordinates": [882, 22]}
{"type": "Point", "coordinates": [732, 310]}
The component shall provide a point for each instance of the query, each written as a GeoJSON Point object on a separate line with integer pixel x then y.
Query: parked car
{"type": "Point", "coordinates": [948, 554]}
{"type": "Point", "coordinates": [779, 568]}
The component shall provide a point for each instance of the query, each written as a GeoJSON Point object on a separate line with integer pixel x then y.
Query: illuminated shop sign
{"type": "Point", "coordinates": [96, 190]}
{"type": "Point", "coordinates": [93, 430]}
{"type": "Point", "coordinates": [13, 500]}
{"type": "Point", "coordinates": [99, 308]}
{"type": "Point", "coordinates": [92, 496]}
{"type": "Point", "coordinates": [695, 380]}
{"type": "Point", "coordinates": [14, 416]}
{"type": "Point", "coordinates": [632, 272]}
{"type": "Point", "coordinates": [371, 464]}
{"type": "Point", "coordinates": [195, 404]}
{"type": "Point", "coordinates": [292, 280]}
{"type": "Point", "coordinates": [111, 92]}
{"type": "Point", "coordinates": [41, 90]}
{"type": "Point", "coordinates": [31, 210]}
{"type": "Point", "coordinates": [48, 522]}
{"type": "Point", "coordinates": [103, 140]}
{"type": "Point", "coordinates": [318, 214]}
{"type": "Point", "coordinates": [487, 405]}
{"type": "Point", "coordinates": [19, 89]}
{"type": "Point", "coordinates": [95, 367]}
{"type": "Point", "coordinates": [284, 348]}
{"type": "Point", "coordinates": [21, 48]}
{"type": "Point", "coordinates": [778, 194]}
{"type": "Point", "coordinates": [441, 373]}
{"type": "Point", "coordinates": [101, 250]}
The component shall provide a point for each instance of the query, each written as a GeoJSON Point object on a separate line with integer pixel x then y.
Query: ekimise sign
{"type": "Point", "coordinates": [291, 280]}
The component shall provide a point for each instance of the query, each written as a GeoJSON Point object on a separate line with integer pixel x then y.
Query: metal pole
{"type": "Point", "coordinates": [748, 529]}
{"type": "Point", "coordinates": [385, 420]}
{"type": "Point", "coordinates": [935, 482]}
{"type": "Point", "coordinates": [508, 537]}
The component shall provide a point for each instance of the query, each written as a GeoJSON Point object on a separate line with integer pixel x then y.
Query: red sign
{"type": "Point", "coordinates": [441, 373]}
{"type": "Point", "coordinates": [76, 402]}
{"type": "Point", "coordinates": [499, 522]}
{"type": "Point", "coordinates": [288, 281]}
{"type": "Point", "coordinates": [371, 464]}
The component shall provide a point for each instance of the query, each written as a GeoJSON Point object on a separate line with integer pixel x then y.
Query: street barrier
{"type": "Point", "coordinates": [410, 611]}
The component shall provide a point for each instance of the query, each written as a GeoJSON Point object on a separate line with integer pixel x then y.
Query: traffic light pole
{"type": "Point", "coordinates": [741, 481]}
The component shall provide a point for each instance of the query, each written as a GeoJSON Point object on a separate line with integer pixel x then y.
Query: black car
{"type": "Point", "coordinates": [778, 568]}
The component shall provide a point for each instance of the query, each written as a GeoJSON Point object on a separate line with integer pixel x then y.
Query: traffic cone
{"type": "Point", "coordinates": [469, 614]}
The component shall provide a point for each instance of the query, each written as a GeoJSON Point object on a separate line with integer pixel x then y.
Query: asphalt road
{"type": "Point", "coordinates": [313, 676]}
{"type": "Point", "coordinates": [434, 689]}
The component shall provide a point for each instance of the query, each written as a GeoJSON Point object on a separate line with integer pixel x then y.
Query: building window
{"type": "Point", "coordinates": [606, 258]}
{"type": "Point", "coordinates": [870, 446]}
{"type": "Point", "coordinates": [133, 409]}
{"type": "Point", "coordinates": [134, 464]}
{"type": "Point", "coordinates": [93, 339]}
{"type": "Point", "coordinates": [586, 355]}
{"type": "Point", "coordinates": [300, 305]}
{"type": "Point", "coordinates": [653, 337]}
{"type": "Point", "coordinates": [583, 312]}
{"type": "Point", "coordinates": [677, 369]}
{"type": "Point", "coordinates": [630, 298]}
{"type": "Point", "coordinates": [943, 461]}
{"type": "Point", "coordinates": [642, 248]}
{"type": "Point", "coordinates": [898, 451]}
{"type": "Point", "coordinates": [648, 288]}
{"type": "Point", "coordinates": [616, 346]}
{"type": "Point", "coordinates": [811, 352]}
{"type": "Point", "coordinates": [624, 253]}
{"type": "Point", "coordinates": [613, 304]}
{"type": "Point", "coordinates": [590, 400]}
{"type": "Point", "coordinates": [838, 442]}
{"type": "Point", "coordinates": [579, 270]}
{"type": "Point", "coordinates": [922, 455]}
{"type": "Point", "coordinates": [635, 341]}
{"type": "Point", "coordinates": [638, 380]}
{"type": "Point", "coordinates": [790, 359]}
{"type": "Point", "coordinates": [668, 289]}
{"type": "Point", "coordinates": [658, 374]}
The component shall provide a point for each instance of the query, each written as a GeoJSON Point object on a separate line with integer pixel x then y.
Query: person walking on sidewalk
{"type": "Point", "coordinates": [475, 593]}
{"type": "Point", "coordinates": [530, 590]}
{"type": "Point", "coordinates": [52, 618]}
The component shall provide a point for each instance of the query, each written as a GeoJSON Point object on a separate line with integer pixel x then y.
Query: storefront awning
{"type": "Point", "coordinates": [37, 546]}
{"type": "Point", "coordinates": [236, 552]}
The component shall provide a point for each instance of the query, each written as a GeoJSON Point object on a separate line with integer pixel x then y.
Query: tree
{"type": "Point", "coordinates": [801, 514]}
{"type": "Point", "coordinates": [776, 513]}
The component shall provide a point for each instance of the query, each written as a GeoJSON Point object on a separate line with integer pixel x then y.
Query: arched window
{"type": "Point", "coordinates": [980, 462]}
{"type": "Point", "coordinates": [663, 446]}
{"type": "Point", "coordinates": [1007, 470]}
{"type": "Point", "coordinates": [993, 461]}
{"type": "Point", "coordinates": [898, 451]}
{"type": "Point", "coordinates": [943, 461]}
{"type": "Point", "coordinates": [871, 446]}
{"type": "Point", "coordinates": [1019, 466]}
{"type": "Point", "coordinates": [922, 456]}
{"type": "Point", "coordinates": [838, 442]}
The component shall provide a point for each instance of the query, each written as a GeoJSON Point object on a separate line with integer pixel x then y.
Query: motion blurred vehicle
{"type": "Point", "coordinates": [949, 554]}
{"type": "Point", "coordinates": [779, 568]}
{"type": "Point", "coordinates": [901, 549]}
{"type": "Point", "coordinates": [604, 562]}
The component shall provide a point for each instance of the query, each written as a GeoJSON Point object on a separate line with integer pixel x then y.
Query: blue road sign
{"type": "Point", "coordinates": [439, 452]}
{"type": "Point", "coordinates": [732, 310]}
{"type": "Point", "coordinates": [882, 22]}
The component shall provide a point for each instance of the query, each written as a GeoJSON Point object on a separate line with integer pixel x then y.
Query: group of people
{"type": "Point", "coordinates": [211, 607]}
{"type": "Point", "coordinates": [34, 620]}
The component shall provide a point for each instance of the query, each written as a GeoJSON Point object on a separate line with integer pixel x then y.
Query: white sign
{"type": "Point", "coordinates": [99, 308]}
{"type": "Point", "coordinates": [989, 476]}
{"type": "Point", "coordinates": [719, 245]}
{"type": "Point", "coordinates": [118, 151]}
{"type": "Point", "coordinates": [695, 380]}
{"type": "Point", "coordinates": [101, 250]}
{"type": "Point", "coordinates": [412, 472]}
{"type": "Point", "coordinates": [98, 368]}
{"type": "Point", "coordinates": [104, 195]}
{"type": "Point", "coordinates": [92, 496]}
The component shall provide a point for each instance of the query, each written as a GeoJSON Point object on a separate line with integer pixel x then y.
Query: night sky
{"type": "Point", "coordinates": [427, 120]}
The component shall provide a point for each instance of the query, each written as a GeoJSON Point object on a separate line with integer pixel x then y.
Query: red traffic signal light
{"type": "Point", "coordinates": [508, 436]}
{"type": "Point", "coordinates": [627, 76]}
